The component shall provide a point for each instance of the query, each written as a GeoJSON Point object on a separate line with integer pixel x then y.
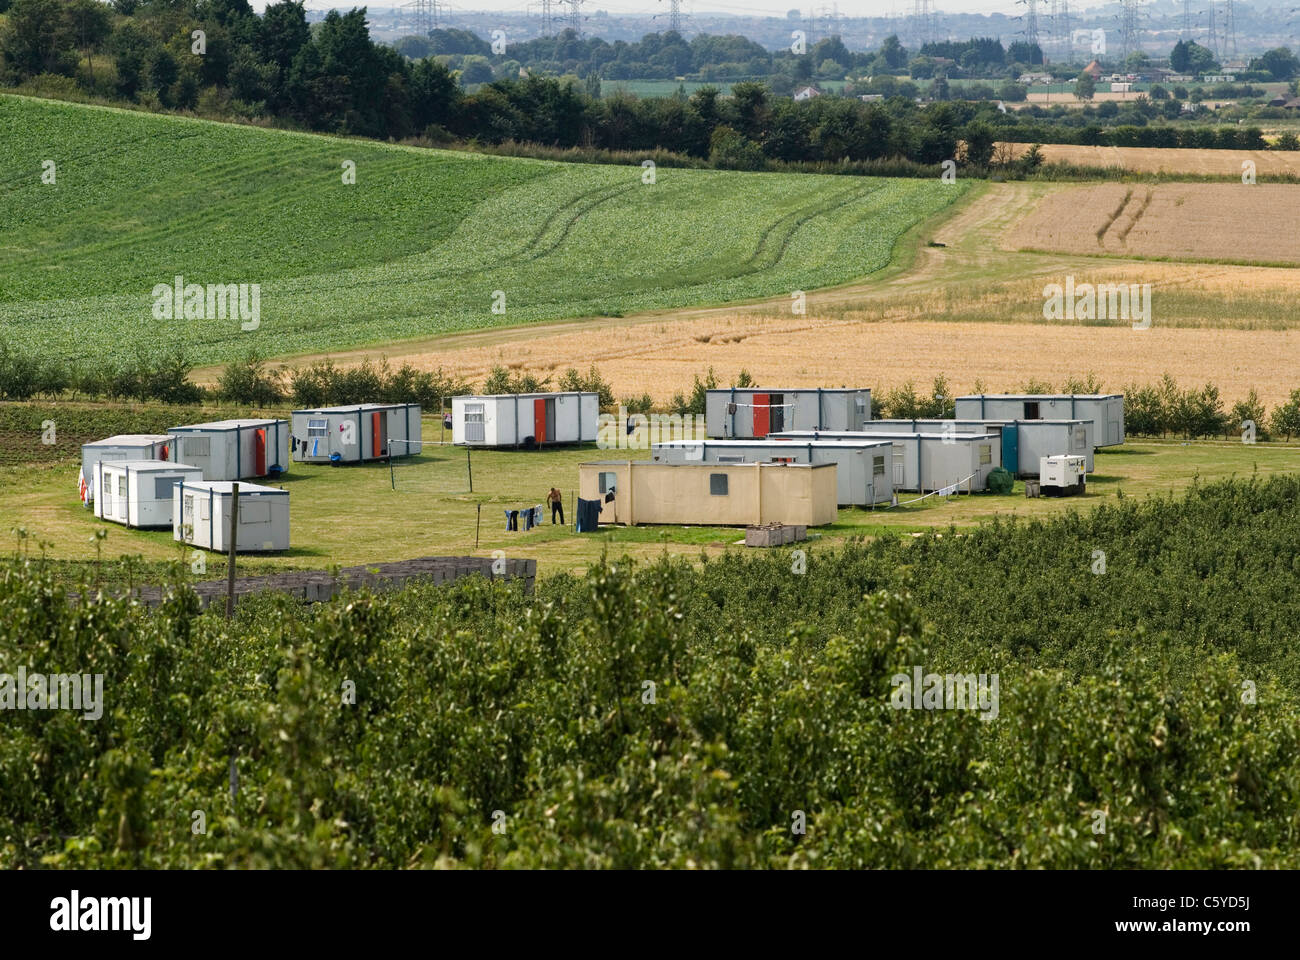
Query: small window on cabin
{"type": "Point", "coordinates": [121, 486]}
{"type": "Point", "coordinates": [1031, 409]}
{"type": "Point", "coordinates": [204, 508]}
{"type": "Point", "coordinates": [162, 487]}
{"type": "Point", "coordinates": [196, 447]}
{"type": "Point", "coordinates": [782, 460]}
{"type": "Point", "coordinates": [718, 484]}
{"type": "Point", "coordinates": [730, 458]}
{"type": "Point", "coordinates": [1080, 440]}
{"type": "Point", "coordinates": [860, 402]}
{"type": "Point", "coordinates": [318, 428]}
{"type": "Point", "coordinates": [607, 481]}
{"type": "Point", "coordinates": [256, 511]}
{"type": "Point", "coordinates": [877, 466]}
{"type": "Point", "coordinates": [986, 453]}
{"type": "Point", "coordinates": [474, 412]}
{"type": "Point", "coordinates": [187, 511]}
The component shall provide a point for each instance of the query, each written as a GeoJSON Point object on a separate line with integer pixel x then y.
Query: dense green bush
{"type": "Point", "coordinates": [1123, 700]}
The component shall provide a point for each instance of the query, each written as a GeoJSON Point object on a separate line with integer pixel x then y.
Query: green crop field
{"type": "Point", "coordinates": [423, 242]}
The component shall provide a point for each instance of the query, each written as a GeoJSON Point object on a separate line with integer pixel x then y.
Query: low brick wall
{"type": "Point", "coordinates": [316, 586]}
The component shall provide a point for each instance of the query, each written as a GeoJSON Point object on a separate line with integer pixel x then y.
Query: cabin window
{"type": "Point", "coordinates": [187, 512]}
{"type": "Point", "coordinates": [196, 447]}
{"type": "Point", "coordinates": [121, 486]}
{"type": "Point", "coordinates": [986, 453]}
{"type": "Point", "coordinates": [475, 423]}
{"type": "Point", "coordinates": [877, 466]}
{"type": "Point", "coordinates": [256, 511]}
{"type": "Point", "coordinates": [318, 428]}
{"type": "Point", "coordinates": [607, 481]}
{"type": "Point", "coordinates": [782, 460]}
{"type": "Point", "coordinates": [1031, 409]}
{"type": "Point", "coordinates": [1079, 440]}
{"type": "Point", "coordinates": [162, 487]}
{"type": "Point", "coordinates": [205, 509]}
{"type": "Point", "coordinates": [730, 458]}
{"type": "Point", "coordinates": [718, 484]}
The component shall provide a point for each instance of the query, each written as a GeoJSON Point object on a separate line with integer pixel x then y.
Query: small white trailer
{"type": "Point", "coordinates": [124, 446]}
{"type": "Point", "coordinates": [234, 449]}
{"type": "Point", "coordinates": [1023, 442]}
{"type": "Point", "coordinates": [1062, 476]}
{"type": "Point", "coordinates": [367, 431]}
{"type": "Point", "coordinates": [756, 412]}
{"type": "Point", "coordinates": [201, 516]}
{"type": "Point", "coordinates": [524, 419]}
{"type": "Point", "coordinates": [863, 473]}
{"type": "Point", "coordinates": [138, 493]}
{"type": "Point", "coordinates": [1105, 410]}
{"type": "Point", "coordinates": [926, 462]}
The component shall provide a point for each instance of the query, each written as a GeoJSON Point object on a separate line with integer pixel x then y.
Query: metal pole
{"type": "Point", "coordinates": [478, 520]}
{"type": "Point", "coordinates": [230, 565]}
{"type": "Point", "coordinates": [392, 475]}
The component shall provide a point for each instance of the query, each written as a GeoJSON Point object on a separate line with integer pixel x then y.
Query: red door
{"type": "Point", "coordinates": [260, 453]}
{"type": "Point", "coordinates": [761, 414]}
{"type": "Point", "coordinates": [376, 435]}
{"type": "Point", "coordinates": [539, 420]}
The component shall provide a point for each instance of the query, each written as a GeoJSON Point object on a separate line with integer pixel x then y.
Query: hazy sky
{"type": "Point", "coordinates": [853, 8]}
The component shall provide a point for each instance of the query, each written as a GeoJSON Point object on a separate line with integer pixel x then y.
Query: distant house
{"type": "Point", "coordinates": [1218, 78]}
{"type": "Point", "coordinates": [1178, 78]}
{"type": "Point", "coordinates": [806, 93]}
{"type": "Point", "coordinates": [1293, 104]}
{"type": "Point", "coordinates": [1277, 102]}
{"type": "Point", "coordinates": [1094, 69]}
{"type": "Point", "coordinates": [871, 97]}
{"type": "Point", "coordinates": [1035, 78]}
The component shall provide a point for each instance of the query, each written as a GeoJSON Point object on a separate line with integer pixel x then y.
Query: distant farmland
{"type": "Point", "coordinates": [1182, 221]}
{"type": "Point", "coordinates": [425, 242]}
{"type": "Point", "coordinates": [1213, 163]}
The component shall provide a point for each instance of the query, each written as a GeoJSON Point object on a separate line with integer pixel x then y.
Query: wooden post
{"type": "Point", "coordinates": [469, 467]}
{"type": "Point", "coordinates": [478, 520]}
{"type": "Point", "coordinates": [234, 532]}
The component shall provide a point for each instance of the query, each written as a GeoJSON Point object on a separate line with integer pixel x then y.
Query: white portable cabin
{"type": "Point", "coordinates": [863, 474]}
{"type": "Point", "coordinates": [1023, 442]}
{"type": "Point", "coordinates": [138, 493]}
{"type": "Point", "coordinates": [754, 412]}
{"type": "Point", "coordinates": [367, 431]}
{"type": "Point", "coordinates": [1105, 410]}
{"type": "Point", "coordinates": [515, 419]}
{"type": "Point", "coordinates": [124, 446]}
{"type": "Point", "coordinates": [234, 449]}
{"type": "Point", "coordinates": [925, 462]}
{"type": "Point", "coordinates": [201, 516]}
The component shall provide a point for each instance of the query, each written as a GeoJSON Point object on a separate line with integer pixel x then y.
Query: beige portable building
{"type": "Point", "coordinates": [711, 494]}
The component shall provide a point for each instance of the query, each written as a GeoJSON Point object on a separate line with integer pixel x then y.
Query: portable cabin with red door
{"type": "Point", "coordinates": [752, 413]}
{"type": "Point", "coordinates": [525, 419]}
{"type": "Point", "coordinates": [233, 449]}
{"type": "Point", "coordinates": [357, 434]}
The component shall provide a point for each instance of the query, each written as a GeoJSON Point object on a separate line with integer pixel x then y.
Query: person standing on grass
{"type": "Point", "coordinates": [557, 504]}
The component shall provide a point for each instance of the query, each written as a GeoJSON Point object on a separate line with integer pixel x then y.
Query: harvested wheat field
{"type": "Point", "coordinates": [663, 358]}
{"type": "Point", "coordinates": [1214, 163]}
{"type": "Point", "coordinates": [1186, 221]}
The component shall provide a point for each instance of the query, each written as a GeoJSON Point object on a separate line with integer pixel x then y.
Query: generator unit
{"type": "Point", "coordinates": [1063, 475]}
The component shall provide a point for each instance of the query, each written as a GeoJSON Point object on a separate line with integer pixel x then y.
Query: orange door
{"type": "Point", "coordinates": [761, 413]}
{"type": "Point", "coordinates": [376, 435]}
{"type": "Point", "coordinates": [539, 420]}
{"type": "Point", "coordinates": [260, 455]}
